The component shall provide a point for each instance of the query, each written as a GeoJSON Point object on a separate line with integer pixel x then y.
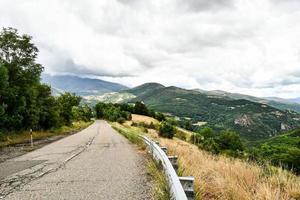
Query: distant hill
{"type": "Point", "coordinates": [81, 86]}
{"type": "Point", "coordinates": [282, 104]}
{"type": "Point", "coordinates": [283, 149]}
{"type": "Point", "coordinates": [252, 120]}
{"type": "Point", "coordinates": [295, 100]}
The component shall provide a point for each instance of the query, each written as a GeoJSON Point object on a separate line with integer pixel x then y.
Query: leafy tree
{"type": "Point", "coordinates": [127, 107]}
{"type": "Point", "coordinates": [211, 145]}
{"type": "Point", "coordinates": [112, 112]}
{"type": "Point", "coordinates": [99, 108]}
{"type": "Point", "coordinates": [159, 116]}
{"type": "Point", "coordinates": [229, 140]}
{"type": "Point", "coordinates": [66, 102]}
{"type": "Point", "coordinates": [21, 77]}
{"type": "Point", "coordinates": [188, 125]}
{"type": "Point", "coordinates": [140, 108]}
{"type": "Point", "coordinates": [25, 102]}
{"type": "Point", "coordinates": [166, 130]}
{"type": "Point", "coordinates": [206, 132]}
{"type": "Point", "coordinates": [49, 115]}
{"type": "Point", "coordinates": [3, 85]}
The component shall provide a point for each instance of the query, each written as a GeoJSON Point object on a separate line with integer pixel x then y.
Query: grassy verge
{"type": "Point", "coordinates": [161, 191]}
{"type": "Point", "coordinates": [13, 138]}
{"type": "Point", "coordinates": [220, 177]}
{"type": "Point", "coordinates": [225, 178]}
{"type": "Point", "coordinates": [131, 133]}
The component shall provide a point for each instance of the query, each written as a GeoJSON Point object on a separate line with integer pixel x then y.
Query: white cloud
{"type": "Point", "coordinates": [234, 45]}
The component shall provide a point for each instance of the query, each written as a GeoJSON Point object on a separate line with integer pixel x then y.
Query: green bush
{"type": "Point", "coordinates": [159, 116]}
{"type": "Point", "coordinates": [229, 140]}
{"type": "Point", "coordinates": [166, 130]}
{"type": "Point", "coordinates": [112, 112]}
{"type": "Point", "coordinates": [121, 120]}
{"type": "Point", "coordinates": [140, 108]}
{"type": "Point", "coordinates": [211, 145]}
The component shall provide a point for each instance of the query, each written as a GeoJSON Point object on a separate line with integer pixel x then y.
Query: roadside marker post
{"type": "Point", "coordinates": [31, 139]}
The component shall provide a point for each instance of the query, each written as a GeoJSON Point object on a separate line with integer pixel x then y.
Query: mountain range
{"type": "Point", "coordinates": [254, 118]}
{"type": "Point", "coordinates": [80, 86]}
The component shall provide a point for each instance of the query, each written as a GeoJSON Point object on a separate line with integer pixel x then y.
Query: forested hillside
{"type": "Point", "coordinates": [281, 150]}
{"type": "Point", "coordinates": [254, 121]}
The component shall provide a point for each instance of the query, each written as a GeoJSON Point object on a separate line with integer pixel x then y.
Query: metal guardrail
{"type": "Point", "coordinates": [177, 190]}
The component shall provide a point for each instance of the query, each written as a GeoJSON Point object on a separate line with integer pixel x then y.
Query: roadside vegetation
{"type": "Point", "coordinates": [161, 189]}
{"type": "Point", "coordinates": [27, 104]}
{"type": "Point", "coordinates": [222, 175]}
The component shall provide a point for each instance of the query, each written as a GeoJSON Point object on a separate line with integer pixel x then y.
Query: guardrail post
{"type": "Point", "coordinates": [174, 162]}
{"type": "Point", "coordinates": [165, 149]}
{"type": "Point", "coordinates": [187, 183]}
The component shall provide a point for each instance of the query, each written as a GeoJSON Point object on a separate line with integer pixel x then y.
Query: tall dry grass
{"type": "Point", "coordinates": [145, 119]}
{"type": "Point", "coordinates": [219, 177]}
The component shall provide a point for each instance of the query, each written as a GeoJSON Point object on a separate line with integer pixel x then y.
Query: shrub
{"type": "Point", "coordinates": [121, 120]}
{"type": "Point", "coordinates": [181, 135]}
{"type": "Point", "coordinates": [210, 145]}
{"type": "Point", "coordinates": [229, 140]}
{"type": "Point", "coordinates": [112, 112]}
{"type": "Point", "coordinates": [206, 132]}
{"type": "Point", "coordinates": [159, 116]}
{"type": "Point", "coordinates": [166, 130]}
{"type": "Point", "coordinates": [140, 108]}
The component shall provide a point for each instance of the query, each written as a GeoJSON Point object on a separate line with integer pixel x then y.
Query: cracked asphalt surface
{"type": "Point", "coordinates": [96, 163]}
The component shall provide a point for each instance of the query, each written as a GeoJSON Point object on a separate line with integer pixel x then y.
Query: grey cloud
{"type": "Point", "coordinates": [154, 40]}
{"type": "Point", "coordinates": [128, 1]}
{"type": "Point", "coordinates": [286, 1]}
{"type": "Point", "coordinates": [67, 65]}
{"type": "Point", "coordinates": [203, 5]}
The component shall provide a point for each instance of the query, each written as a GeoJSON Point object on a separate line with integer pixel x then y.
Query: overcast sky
{"type": "Point", "coordinates": [247, 46]}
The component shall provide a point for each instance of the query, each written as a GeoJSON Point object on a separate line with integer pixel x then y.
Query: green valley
{"type": "Point", "coordinates": [253, 120]}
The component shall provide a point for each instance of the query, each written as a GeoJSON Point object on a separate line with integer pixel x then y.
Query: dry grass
{"type": "Point", "coordinates": [145, 119]}
{"type": "Point", "coordinates": [219, 177]}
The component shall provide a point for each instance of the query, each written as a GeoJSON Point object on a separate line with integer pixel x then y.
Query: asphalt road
{"type": "Point", "coordinates": [96, 163]}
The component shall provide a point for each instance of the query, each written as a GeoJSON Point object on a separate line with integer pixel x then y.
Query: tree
{"type": "Point", "coordinates": [3, 85]}
{"type": "Point", "coordinates": [83, 113]}
{"type": "Point", "coordinates": [140, 108]}
{"type": "Point", "coordinates": [21, 77]}
{"type": "Point", "coordinates": [166, 130]}
{"type": "Point", "coordinates": [229, 140]}
{"type": "Point", "coordinates": [211, 145]}
{"type": "Point", "coordinates": [49, 110]}
{"type": "Point", "coordinates": [206, 132]}
{"type": "Point", "coordinates": [188, 125]}
{"type": "Point", "coordinates": [112, 112]}
{"type": "Point", "coordinates": [159, 116]}
{"type": "Point", "coordinates": [99, 108]}
{"type": "Point", "coordinates": [66, 102]}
